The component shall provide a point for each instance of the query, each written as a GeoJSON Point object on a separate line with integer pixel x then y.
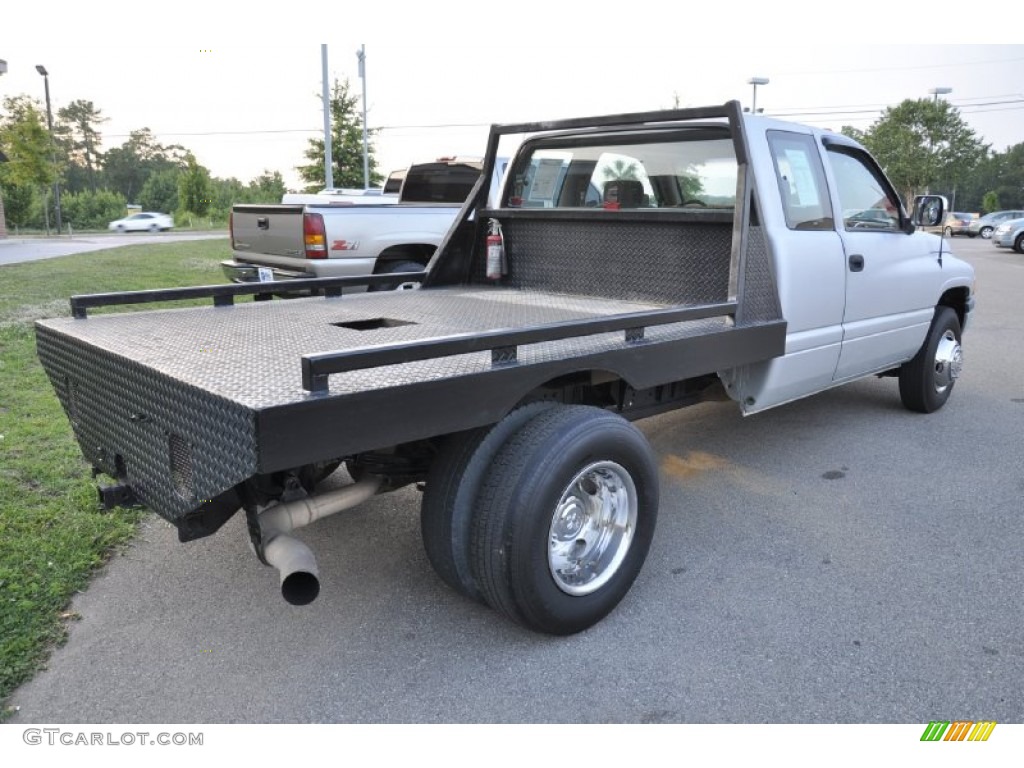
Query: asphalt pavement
{"type": "Point", "coordinates": [835, 560]}
{"type": "Point", "coordinates": [18, 249]}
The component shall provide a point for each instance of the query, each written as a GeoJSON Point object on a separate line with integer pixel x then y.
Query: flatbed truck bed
{"type": "Point", "coordinates": [203, 398]}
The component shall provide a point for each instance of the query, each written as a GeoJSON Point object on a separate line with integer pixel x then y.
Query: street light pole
{"type": "Point", "coordinates": [756, 81]}
{"type": "Point", "coordinates": [53, 147]}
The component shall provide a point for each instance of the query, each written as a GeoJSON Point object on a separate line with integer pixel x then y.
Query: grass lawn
{"type": "Point", "coordinates": [52, 534]}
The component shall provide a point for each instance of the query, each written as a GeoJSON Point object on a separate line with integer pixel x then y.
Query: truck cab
{"type": "Point", "coordinates": [858, 283]}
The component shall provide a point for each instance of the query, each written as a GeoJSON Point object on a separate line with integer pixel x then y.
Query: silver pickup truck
{"type": "Point", "coordinates": [326, 235]}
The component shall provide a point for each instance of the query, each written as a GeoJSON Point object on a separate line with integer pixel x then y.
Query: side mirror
{"type": "Point", "coordinates": [929, 210]}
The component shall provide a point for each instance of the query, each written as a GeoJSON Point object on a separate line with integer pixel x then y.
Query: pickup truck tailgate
{"type": "Point", "coordinates": [274, 230]}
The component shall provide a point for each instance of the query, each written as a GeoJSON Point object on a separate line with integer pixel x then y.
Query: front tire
{"type": "Point", "coordinates": [927, 380]}
{"type": "Point", "coordinates": [565, 519]}
{"type": "Point", "coordinates": [986, 232]}
{"type": "Point", "coordinates": [1018, 244]}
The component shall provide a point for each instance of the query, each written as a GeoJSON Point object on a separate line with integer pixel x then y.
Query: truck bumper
{"type": "Point", "coordinates": [240, 272]}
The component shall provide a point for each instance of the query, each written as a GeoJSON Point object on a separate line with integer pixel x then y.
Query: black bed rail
{"type": "Point", "coordinates": [224, 295]}
{"type": "Point", "coordinates": [502, 344]}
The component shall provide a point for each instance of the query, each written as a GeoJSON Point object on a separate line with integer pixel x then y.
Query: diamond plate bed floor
{"type": "Point", "coordinates": [251, 353]}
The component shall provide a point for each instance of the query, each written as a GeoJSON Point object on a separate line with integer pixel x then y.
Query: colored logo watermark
{"type": "Point", "coordinates": [958, 730]}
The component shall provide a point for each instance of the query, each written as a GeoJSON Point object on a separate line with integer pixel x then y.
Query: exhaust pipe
{"type": "Point", "coordinates": [295, 561]}
{"type": "Point", "coordinates": [300, 583]}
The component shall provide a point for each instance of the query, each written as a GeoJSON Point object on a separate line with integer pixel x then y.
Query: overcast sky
{"type": "Point", "coordinates": [241, 88]}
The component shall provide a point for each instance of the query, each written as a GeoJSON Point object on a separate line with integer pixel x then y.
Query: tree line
{"type": "Point", "coordinates": [924, 145]}
{"type": "Point", "coordinates": [96, 185]}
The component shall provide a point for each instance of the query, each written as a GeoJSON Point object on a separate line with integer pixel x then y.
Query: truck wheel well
{"type": "Point", "coordinates": [597, 388]}
{"type": "Point", "coordinates": [420, 253]}
{"type": "Point", "coordinates": [607, 389]}
{"type": "Point", "coordinates": [956, 299]}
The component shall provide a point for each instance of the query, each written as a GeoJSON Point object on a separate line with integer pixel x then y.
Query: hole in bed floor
{"type": "Point", "coordinates": [373, 324]}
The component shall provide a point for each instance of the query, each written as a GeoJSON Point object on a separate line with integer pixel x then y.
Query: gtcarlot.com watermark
{"type": "Point", "coordinates": [59, 736]}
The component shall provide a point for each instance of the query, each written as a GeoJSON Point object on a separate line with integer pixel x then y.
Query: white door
{"type": "Point", "coordinates": [889, 297]}
{"type": "Point", "coordinates": [810, 273]}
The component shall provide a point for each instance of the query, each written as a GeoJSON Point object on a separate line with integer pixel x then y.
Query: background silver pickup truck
{"type": "Point", "coordinates": [325, 237]}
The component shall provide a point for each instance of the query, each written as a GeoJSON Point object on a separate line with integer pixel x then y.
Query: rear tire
{"type": "Point", "coordinates": [453, 486]}
{"type": "Point", "coordinates": [986, 232]}
{"type": "Point", "coordinates": [565, 519]}
{"type": "Point", "coordinates": [397, 266]}
{"type": "Point", "coordinates": [927, 380]}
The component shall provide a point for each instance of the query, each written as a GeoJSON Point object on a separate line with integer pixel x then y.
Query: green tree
{"type": "Point", "coordinates": [92, 210]}
{"type": "Point", "coordinates": [346, 146]}
{"type": "Point", "coordinates": [20, 204]}
{"type": "Point", "coordinates": [922, 143]}
{"type": "Point", "coordinates": [1008, 183]}
{"type": "Point", "coordinates": [226, 193]}
{"type": "Point", "coordinates": [25, 142]}
{"type": "Point", "coordinates": [127, 167]}
{"type": "Point", "coordinates": [77, 125]}
{"type": "Point", "coordinates": [990, 203]}
{"type": "Point", "coordinates": [268, 187]}
{"type": "Point", "coordinates": [160, 192]}
{"type": "Point", "coordinates": [195, 190]}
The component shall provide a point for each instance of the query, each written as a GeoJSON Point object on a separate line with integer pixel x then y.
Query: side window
{"type": "Point", "coordinates": [867, 201]}
{"type": "Point", "coordinates": [801, 180]}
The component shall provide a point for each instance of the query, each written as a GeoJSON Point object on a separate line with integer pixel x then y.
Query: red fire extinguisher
{"type": "Point", "coordinates": [495, 252]}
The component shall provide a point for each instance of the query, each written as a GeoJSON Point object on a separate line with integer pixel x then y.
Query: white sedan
{"type": "Point", "coordinates": [143, 222]}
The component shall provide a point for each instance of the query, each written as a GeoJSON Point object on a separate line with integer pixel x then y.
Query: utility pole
{"type": "Point", "coordinates": [328, 155]}
{"type": "Point", "coordinates": [361, 55]}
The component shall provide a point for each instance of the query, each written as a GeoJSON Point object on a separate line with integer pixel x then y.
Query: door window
{"type": "Point", "coordinates": [801, 180]}
{"type": "Point", "coordinates": [868, 202]}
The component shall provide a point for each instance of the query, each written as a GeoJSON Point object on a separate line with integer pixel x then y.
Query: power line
{"type": "Point", "coordinates": [853, 112]}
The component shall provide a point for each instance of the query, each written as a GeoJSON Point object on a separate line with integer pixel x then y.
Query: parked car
{"type": "Point", "coordinates": [956, 224]}
{"type": "Point", "coordinates": [1010, 234]}
{"type": "Point", "coordinates": [143, 222]}
{"type": "Point", "coordinates": [986, 225]}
